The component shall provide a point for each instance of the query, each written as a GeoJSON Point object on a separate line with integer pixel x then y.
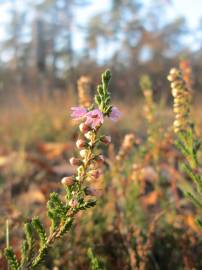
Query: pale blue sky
{"type": "Point", "coordinates": [191, 9]}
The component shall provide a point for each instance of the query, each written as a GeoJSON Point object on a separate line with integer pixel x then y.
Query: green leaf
{"type": "Point", "coordinates": [11, 258]}
{"type": "Point", "coordinates": [198, 223]}
{"type": "Point", "coordinates": [106, 76]}
{"type": "Point", "coordinates": [194, 199]}
{"type": "Point", "coordinates": [196, 146]}
{"type": "Point", "coordinates": [28, 230]}
{"type": "Point", "coordinates": [40, 257]}
{"type": "Point", "coordinates": [87, 205]}
{"type": "Point", "coordinates": [100, 90]}
{"type": "Point", "coordinates": [55, 220]}
{"type": "Point", "coordinates": [98, 100]}
{"type": "Point", "coordinates": [56, 205]}
{"type": "Point", "coordinates": [196, 178]}
{"type": "Point", "coordinates": [181, 146]}
{"type": "Point", "coordinates": [67, 225]}
{"type": "Point", "coordinates": [24, 251]}
{"type": "Point", "coordinates": [40, 230]}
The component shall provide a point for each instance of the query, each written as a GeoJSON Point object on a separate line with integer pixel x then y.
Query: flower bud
{"type": "Point", "coordinates": [106, 139]}
{"type": "Point", "coordinates": [180, 116]}
{"type": "Point", "coordinates": [175, 92]}
{"type": "Point", "coordinates": [80, 143]}
{"type": "Point", "coordinates": [177, 109]}
{"type": "Point", "coordinates": [176, 130]}
{"type": "Point", "coordinates": [73, 202]}
{"type": "Point", "coordinates": [67, 181]}
{"type": "Point", "coordinates": [89, 135]}
{"type": "Point", "coordinates": [75, 161]}
{"type": "Point", "coordinates": [180, 100]}
{"type": "Point", "coordinates": [84, 127]}
{"type": "Point", "coordinates": [174, 71]}
{"type": "Point", "coordinates": [169, 77]}
{"type": "Point", "coordinates": [83, 153]}
{"type": "Point", "coordinates": [175, 84]}
{"type": "Point", "coordinates": [178, 123]}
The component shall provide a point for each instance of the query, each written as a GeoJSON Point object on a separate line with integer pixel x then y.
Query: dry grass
{"type": "Point", "coordinates": [142, 218]}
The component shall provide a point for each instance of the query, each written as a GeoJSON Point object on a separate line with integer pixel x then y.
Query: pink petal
{"type": "Point", "coordinates": [78, 112]}
{"type": "Point", "coordinates": [88, 121]}
{"type": "Point", "coordinates": [115, 114]}
{"type": "Point", "coordinates": [94, 118]}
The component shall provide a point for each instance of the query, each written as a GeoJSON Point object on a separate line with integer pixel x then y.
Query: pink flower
{"type": "Point", "coordinates": [115, 114]}
{"type": "Point", "coordinates": [94, 118]}
{"type": "Point", "coordinates": [78, 112]}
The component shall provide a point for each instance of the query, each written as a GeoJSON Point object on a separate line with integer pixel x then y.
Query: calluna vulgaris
{"type": "Point", "coordinates": [79, 192]}
{"type": "Point", "coordinates": [187, 140]}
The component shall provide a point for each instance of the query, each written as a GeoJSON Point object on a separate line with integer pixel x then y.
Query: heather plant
{"type": "Point", "coordinates": [150, 114]}
{"type": "Point", "coordinates": [187, 140]}
{"type": "Point", "coordinates": [149, 108]}
{"type": "Point", "coordinates": [80, 193]}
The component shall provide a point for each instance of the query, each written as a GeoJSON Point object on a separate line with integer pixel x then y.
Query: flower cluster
{"type": "Point", "coordinates": [182, 98]}
{"type": "Point", "coordinates": [90, 159]}
{"type": "Point", "coordinates": [95, 117]}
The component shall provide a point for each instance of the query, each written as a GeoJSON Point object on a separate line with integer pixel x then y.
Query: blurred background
{"type": "Point", "coordinates": [49, 44]}
{"type": "Point", "coordinates": [52, 50]}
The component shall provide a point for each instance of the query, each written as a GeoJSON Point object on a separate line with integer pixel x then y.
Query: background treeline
{"type": "Point", "coordinates": [41, 47]}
